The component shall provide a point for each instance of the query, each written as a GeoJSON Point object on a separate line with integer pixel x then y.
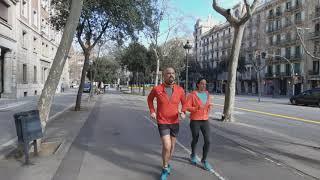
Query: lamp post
{"type": "Point", "coordinates": [91, 79]}
{"type": "Point", "coordinates": [187, 47]}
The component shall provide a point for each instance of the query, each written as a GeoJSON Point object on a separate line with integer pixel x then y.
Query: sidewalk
{"type": "Point", "coordinates": [58, 137]}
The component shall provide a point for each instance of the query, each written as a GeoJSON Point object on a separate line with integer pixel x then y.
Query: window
{"type": "Point", "coordinates": [270, 69]}
{"type": "Point", "coordinates": [315, 67]}
{"type": "Point", "coordinates": [298, 17]}
{"type": "Point", "coordinates": [35, 74]}
{"type": "Point", "coordinates": [298, 52]}
{"type": "Point", "coordinates": [270, 40]}
{"type": "Point", "coordinates": [297, 68]}
{"type": "Point", "coordinates": [288, 69]}
{"type": "Point", "coordinates": [278, 69]}
{"type": "Point", "coordinates": [288, 5]}
{"type": "Point", "coordinates": [4, 7]}
{"type": "Point", "coordinates": [35, 44]}
{"type": "Point", "coordinates": [35, 18]}
{"type": "Point", "coordinates": [271, 12]}
{"type": "Point", "coordinates": [24, 39]}
{"type": "Point", "coordinates": [278, 12]}
{"type": "Point", "coordinates": [24, 8]}
{"type": "Point", "coordinates": [278, 24]}
{"type": "Point", "coordinates": [44, 74]}
{"type": "Point", "coordinates": [288, 21]}
{"type": "Point", "coordinates": [317, 27]}
{"type": "Point", "coordinates": [278, 38]}
{"type": "Point", "coordinates": [24, 73]}
{"type": "Point", "coordinates": [288, 52]}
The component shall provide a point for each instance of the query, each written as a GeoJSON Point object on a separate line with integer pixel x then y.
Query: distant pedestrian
{"type": "Point", "coordinates": [169, 96]}
{"type": "Point", "coordinates": [199, 105]}
{"type": "Point", "coordinates": [62, 87]}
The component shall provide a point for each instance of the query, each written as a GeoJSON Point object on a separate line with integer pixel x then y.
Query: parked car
{"type": "Point", "coordinates": [309, 97]}
{"type": "Point", "coordinates": [87, 87]}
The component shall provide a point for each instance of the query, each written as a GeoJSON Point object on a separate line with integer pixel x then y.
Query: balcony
{"type": "Point", "coordinates": [316, 14]}
{"type": "Point", "coordinates": [313, 73]}
{"type": "Point", "coordinates": [289, 9]}
{"type": "Point", "coordinates": [270, 16]}
{"type": "Point", "coordinates": [268, 75]}
{"type": "Point", "coordinates": [298, 21]}
{"type": "Point", "coordinates": [297, 57]}
{"type": "Point", "coordinates": [297, 7]}
{"type": "Point", "coordinates": [315, 34]}
{"type": "Point", "coordinates": [285, 74]}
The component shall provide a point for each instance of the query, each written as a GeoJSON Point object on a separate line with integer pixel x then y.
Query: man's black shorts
{"type": "Point", "coordinates": [168, 129]}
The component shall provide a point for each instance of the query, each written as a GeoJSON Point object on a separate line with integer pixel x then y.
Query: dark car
{"type": "Point", "coordinates": [87, 87]}
{"type": "Point", "coordinates": [309, 97]}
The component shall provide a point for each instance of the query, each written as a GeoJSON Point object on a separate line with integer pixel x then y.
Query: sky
{"type": "Point", "coordinates": [186, 12]}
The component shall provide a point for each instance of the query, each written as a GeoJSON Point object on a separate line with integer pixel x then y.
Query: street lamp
{"type": "Point", "coordinates": [91, 79]}
{"type": "Point", "coordinates": [187, 47]}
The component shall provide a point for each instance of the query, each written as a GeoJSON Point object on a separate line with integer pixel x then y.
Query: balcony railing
{"type": "Point", "coordinates": [297, 7]}
{"type": "Point", "coordinates": [315, 34]}
{"type": "Point", "coordinates": [313, 73]}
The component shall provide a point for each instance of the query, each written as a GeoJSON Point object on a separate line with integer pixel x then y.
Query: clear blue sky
{"type": "Point", "coordinates": [191, 10]}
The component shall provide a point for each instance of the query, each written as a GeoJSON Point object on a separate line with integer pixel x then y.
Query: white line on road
{"type": "Point", "coordinates": [187, 150]}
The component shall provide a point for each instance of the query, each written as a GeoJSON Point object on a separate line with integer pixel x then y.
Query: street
{"type": "Point", "coordinates": [119, 141]}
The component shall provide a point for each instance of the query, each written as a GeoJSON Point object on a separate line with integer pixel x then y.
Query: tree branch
{"type": "Point", "coordinates": [104, 28]}
{"type": "Point", "coordinates": [225, 12]}
{"type": "Point", "coordinates": [79, 33]}
{"type": "Point", "coordinates": [249, 10]}
{"type": "Point", "coordinates": [304, 46]}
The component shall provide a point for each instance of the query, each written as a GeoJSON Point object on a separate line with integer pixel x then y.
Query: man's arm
{"type": "Point", "coordinates": [150, 99]}
{"type": "Point", "coordinates": [189, 104]}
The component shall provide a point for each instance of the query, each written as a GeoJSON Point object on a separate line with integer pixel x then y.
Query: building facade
{"type": "Point", "coordinates": [273, 28]}
{"type": "Point", "coordinates": [28, 45]}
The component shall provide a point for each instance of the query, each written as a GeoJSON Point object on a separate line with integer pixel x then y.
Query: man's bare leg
{"type": "Point", "coordinates": [173, 144]}
{"type": "Point", "coordinates": [166, 150]}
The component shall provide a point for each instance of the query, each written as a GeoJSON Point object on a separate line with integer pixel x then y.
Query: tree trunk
{"type": "Point", "coordinates": [259, 85]}
{"type": "Point", "coordinates": [56, 69]}
{"type": "Point", "coordinates": [158, 67]}
{"type": "Point", "coordinates": [83, 78]}
{"type": "Point", "coordinates": [232, 69]}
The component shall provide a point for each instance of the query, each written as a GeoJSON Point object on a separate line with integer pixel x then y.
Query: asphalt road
{"type": "Point", "coordinates": [119, 141]}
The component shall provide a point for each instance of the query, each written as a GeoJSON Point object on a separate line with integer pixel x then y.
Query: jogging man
{"type": "Point", "coordinates": [199, 105]}
{"type": "Point", "coordinates": [169, 96]}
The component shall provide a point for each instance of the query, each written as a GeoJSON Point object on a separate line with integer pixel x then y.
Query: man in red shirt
{"type": "Point", "coordinates": [169, 96]}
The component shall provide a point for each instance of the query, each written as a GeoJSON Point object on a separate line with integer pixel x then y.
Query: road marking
{"type": "Point", "coordinates": [275, 115]}
{"type": "Point", "coordinates": [187, 150]}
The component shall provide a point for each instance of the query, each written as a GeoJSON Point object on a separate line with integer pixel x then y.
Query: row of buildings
{"type": "Point", "coordinates": [28, 44]}
{"type": "Point", "coordinates": [272, 29]}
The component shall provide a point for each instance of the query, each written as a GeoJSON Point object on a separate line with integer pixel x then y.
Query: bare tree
{"type": "Point", "coordinates": [153, 32]}
{"type": "Point", "coordinates": [238, 23]}
{"type": "Point", "coordinates": [258, 67]}
{"type": "Point", "coordinates": [304, 45]}
{"type": "Point", "coordinates": [56, 69]}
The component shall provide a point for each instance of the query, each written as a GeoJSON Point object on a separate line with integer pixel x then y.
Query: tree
{"type": "Point", "coordinates": [238, 24]}
{"type": "Point", "coordinates": [56, 69]}
{"type": "Point", "coordinates": [135, 59]}
{"type": "Point", "coordinates": [173, 55]}
{"type": "Point", "coordinates": [113, 19]}
{"type": "Point", "coordinates": [104, 69]}
{"type": "Point", "coordinates": [153, 31]}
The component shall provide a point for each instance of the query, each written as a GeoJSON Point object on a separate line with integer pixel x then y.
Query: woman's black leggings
{"type": "Point", "coordinates": [195, 127]}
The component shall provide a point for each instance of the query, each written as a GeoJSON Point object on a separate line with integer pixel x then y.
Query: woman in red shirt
{"type": "Point", "coordinates": [199, 105]}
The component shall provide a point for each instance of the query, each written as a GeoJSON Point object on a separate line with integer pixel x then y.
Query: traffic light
{"type": "Point", "coordinates": [263, 55]}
